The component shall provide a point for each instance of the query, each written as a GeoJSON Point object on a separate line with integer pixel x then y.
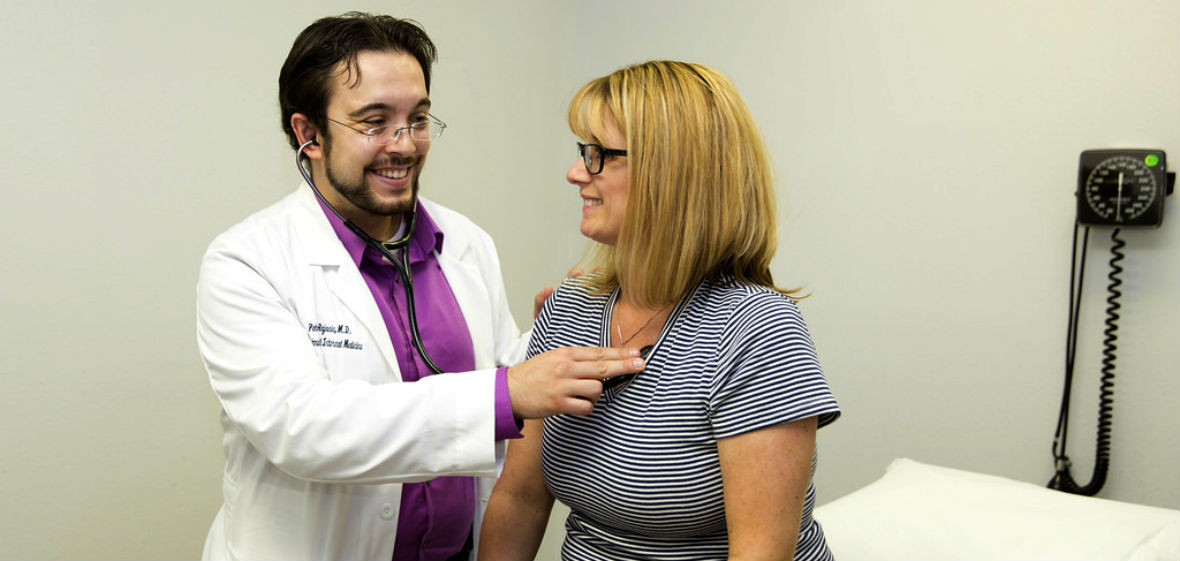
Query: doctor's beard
{"type": "Point", "coordinates": [361, 196]}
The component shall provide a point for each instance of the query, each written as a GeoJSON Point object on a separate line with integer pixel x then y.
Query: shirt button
{"type": "Point", "coordinates": [387, 511]}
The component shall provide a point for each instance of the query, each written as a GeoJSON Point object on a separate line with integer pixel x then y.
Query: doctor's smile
{"type": "Point", "coordinates": [392, 173]}
{"type": "Point", "coordinates": [395, 171]}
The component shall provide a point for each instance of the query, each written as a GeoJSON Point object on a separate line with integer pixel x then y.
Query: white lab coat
{"type": "Point", "coordinates": [319, 436]}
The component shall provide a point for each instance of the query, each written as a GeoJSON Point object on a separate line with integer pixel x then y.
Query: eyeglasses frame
{"type": "Point", "coordinates": [606, 152]}
{"type": "Point", "coordinates": [373, 133]}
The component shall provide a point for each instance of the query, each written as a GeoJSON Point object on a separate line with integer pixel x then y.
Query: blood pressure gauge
{"type": "Point", "coordinates": [1122, 187]}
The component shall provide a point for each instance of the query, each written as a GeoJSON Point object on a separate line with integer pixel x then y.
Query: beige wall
{"type": "Point", "coordinates": [927, 154]}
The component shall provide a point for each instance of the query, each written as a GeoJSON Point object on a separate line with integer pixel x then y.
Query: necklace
{"type": "Point", "coordinates": [619, 327]}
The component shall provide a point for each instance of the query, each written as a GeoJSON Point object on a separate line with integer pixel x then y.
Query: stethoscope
{"type": "Point", "coordinates": [402, 264]}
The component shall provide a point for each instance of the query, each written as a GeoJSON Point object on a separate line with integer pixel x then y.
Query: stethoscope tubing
{"type": "Point", "coordinates": [402, 264]}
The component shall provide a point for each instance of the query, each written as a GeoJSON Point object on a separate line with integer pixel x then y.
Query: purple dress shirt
{"type": "Point", "coordinates": [437, 515]}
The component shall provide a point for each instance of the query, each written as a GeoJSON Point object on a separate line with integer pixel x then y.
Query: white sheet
{"type": "Point", "coordinates": [921, 512]}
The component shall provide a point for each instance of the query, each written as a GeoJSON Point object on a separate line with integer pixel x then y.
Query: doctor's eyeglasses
{"type": "Point", "coordinates": [422, 130]}
{"type": "Point", "coordinates": [594, 155]}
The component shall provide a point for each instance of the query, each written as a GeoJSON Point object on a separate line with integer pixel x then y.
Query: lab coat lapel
{"type": "Point", "coordinates": [327, 257]}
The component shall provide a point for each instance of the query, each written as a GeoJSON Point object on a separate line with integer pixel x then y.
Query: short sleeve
{"type": "Point", "coordinates": [767, 372]}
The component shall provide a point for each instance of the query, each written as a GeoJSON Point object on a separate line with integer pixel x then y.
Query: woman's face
{"type": "Point", "coordinates": [604, 195]}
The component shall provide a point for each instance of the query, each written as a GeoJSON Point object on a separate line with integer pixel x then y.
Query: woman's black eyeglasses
{"type": "Point", "coordinates": [594, 155]}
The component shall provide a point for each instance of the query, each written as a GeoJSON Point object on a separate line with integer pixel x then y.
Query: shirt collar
{"type": "Point", "coordinates": [426, 238]}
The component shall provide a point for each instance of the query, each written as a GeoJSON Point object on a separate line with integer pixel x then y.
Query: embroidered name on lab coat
{"type": "Point", "coordinates": [332, 336]}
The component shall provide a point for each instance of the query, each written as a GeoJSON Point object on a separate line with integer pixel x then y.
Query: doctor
{"type": "Point", "coordinates": [341, 441]}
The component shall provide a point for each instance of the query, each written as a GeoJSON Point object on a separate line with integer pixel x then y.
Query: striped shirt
{"type": "Point", "coordinates": [641, 474]}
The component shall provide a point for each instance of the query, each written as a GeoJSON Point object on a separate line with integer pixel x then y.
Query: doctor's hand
{"type": "Point", "coordinates": [539, 300]}
{"type": "Point", "coordinates": [567, 380]}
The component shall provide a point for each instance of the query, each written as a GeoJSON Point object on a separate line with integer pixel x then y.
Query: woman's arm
{"type": "Point", "coordinates": [765, 474]}
{"type": "Point", "coordinates": [519, 508]}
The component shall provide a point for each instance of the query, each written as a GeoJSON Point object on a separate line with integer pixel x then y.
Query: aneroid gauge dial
{"type": "Point", "coordinates": [1121, 187]}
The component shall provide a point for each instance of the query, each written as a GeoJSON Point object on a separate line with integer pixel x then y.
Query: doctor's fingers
{"type": "Point", "coordinates": [579, 397]}
{"type": "Point", "coordinates": [594, 362]}
{"type": "Point", "coordinates": [545, 384]}
{"type": "Point", "coordinates": [539, 300]}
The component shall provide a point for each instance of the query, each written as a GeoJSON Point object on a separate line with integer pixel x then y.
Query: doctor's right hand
{"type": "Point", "coordinates": [567, 380]}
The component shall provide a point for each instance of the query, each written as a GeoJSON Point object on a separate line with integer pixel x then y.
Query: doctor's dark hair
{"type": "Point", "coordinates": [305, 81]}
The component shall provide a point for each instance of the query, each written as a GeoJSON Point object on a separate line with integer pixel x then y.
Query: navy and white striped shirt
{"type": "Point", "coordinates": [641, 474]}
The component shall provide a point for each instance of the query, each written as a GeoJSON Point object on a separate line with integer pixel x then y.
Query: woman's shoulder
{"type": "Point", "coordinates": [743, 298]}
{"type": "Point", "coordinates": [583, 287]}
{"type": "Point", "coordinates": [576, 295]}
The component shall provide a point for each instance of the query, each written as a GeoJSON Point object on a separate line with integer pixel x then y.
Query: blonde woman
{"type": "Point", "coordinates": [709, 452]}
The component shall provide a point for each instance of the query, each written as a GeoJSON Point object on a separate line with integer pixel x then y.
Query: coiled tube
{"type": "Point", "coordinates": [1062, 480]}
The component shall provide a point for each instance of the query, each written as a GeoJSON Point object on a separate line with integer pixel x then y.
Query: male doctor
{"type": "Point", "coordinates": [340, 442]}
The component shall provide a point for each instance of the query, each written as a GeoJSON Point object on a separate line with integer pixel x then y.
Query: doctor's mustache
{"type": "Point", "coordinates": [407, 161]}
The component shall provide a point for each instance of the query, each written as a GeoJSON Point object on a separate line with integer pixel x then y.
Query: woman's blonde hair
{"type": "Point", "coordinates": [700, 196]}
